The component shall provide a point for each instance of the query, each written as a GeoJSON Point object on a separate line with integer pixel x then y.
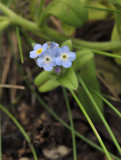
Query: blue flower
{"type": "Point", "coordinates": [38, 49]}
{"type": "Point", "coordinates": [54, 45]}
{"type": "Point", "coordinates": [46, 60]}
{"type": "Point", "coordinates": [64, 57]}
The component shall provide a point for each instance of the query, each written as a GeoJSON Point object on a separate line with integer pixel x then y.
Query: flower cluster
{"type": "Point", "coordinates": [50, 55]}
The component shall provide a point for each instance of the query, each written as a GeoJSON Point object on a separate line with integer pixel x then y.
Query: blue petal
{"type": "Point", "coordinates": [47, 67]}
{"type": "Point", "coordinates": [33, 54]}
{"type": "Point", "coordinates": [65, 49]}
{"type": "Point", "coordinates": [58, 51]}
{"type": "Point", "coordinates": [37, 46]}
{"type": "Point", "coordinates": [40, 62]}
{"type": "Point", "coordinates": [53, 63]}
{"type": "Point", "coordinates": [58, 61]}
{"type": "Point", "coordinates": [66, 64]}
{"type": "Point", "coordinates": [52, 52]}
{"type": "Point", "coordinates": [45, 46]}
{"type": "Point", "coordinates": [72, 56]}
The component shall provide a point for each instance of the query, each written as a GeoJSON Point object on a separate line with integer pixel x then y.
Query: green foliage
{"type": "Point", "coordinates": [88, 74]}
{"type": "Point", "coordinates": [116, 34]}
{"type": "Point", "coordinates": [97, 14]}
{"type": "Point", "coordinates": [67, 43]}
{"type": "Point", "coordinates": [68, 30]}
{"type": "Point", "coordinates": [82, 57]}
{"type": "Point", "coordinates": [49, 85]}
{"type": "Point", "coordinates": [41, 78]}
{"type": "Point", "coordinates": [69, 79]}
{"type": "Point", "coordinates": [71, 12]}
{"type": "Point", "coordinates": [116, 2]}
{"type": "Point", "coordinates": [4, 24]}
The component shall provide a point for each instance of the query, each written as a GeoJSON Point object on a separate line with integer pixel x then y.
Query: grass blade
{"type": "Point", "coordinates": [107, 102]}
{"type": "Point", "coordinates": [103, 9]}
{"type": "Point", "coordinates": [111, 55]}
{"type": "Point", "coordinates": [101, 115]}
{"type": "Point", "coordinates": [72, 125]}
{"type": "Point", "coordinates": [91, 124]}
{"type": "Point", "coordinates": [21, 129]}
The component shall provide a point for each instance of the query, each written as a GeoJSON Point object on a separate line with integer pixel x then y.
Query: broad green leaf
{"type": "Point", "coordinates": [82, 57]}
{"type": "Point", "coordinates": [68, 30]}
{"type": "Point", "coordinates": [4, 24]}
{"type": "Point", "coordinates": [49, 85]}
{"type": "Point", "coordinates": [71, 12]}
{"type": "Point", "coordinates": [67, 43]}
{"type": "Point", "coordinates": [69, 79]}
{"type": "Point", "coordinates": [88, 74]}
{"type": "Point", "coordinates": [97, 14]}
{"type": "Point", "coordinates": [41, 78]}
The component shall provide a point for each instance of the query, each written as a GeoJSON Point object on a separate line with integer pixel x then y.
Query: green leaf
{"type": "Point", "coordinates": [71, 12]}
{"type": "Point", "coordinates": [68, 30]}
{"type": "Point", "coordinates": [41, 78]}
{"type": "Point", "coordinates": [49, 85]}
{"type": "Point", "coordinates": [82, 57]}
{"type": "Point", "coordinates": [88, 74]}
{"type": "Point", "coordinates": [67, 43]}
{"type": "Point", "coordinates": [69, 79]}
{"type": "Point", "coordinates": [97, 14]}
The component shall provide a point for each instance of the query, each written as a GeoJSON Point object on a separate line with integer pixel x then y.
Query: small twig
{"type": "Point", "coordinates": [56, 23]}
{"type": "Point", "coordinates": [6, 68]}
{"type": "Point", "coordinates": [11, 86]}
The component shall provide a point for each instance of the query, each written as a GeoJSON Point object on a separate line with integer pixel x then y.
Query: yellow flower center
{"type": "Point", "coordinates": [39, 51]}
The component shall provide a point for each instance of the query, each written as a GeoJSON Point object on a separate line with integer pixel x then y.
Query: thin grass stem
{"type": "Point", "coordinates": [91, 125]}
{"type": "Point", "coordinates": [107, 102]}
{"type": "Point", "coordinates": [101, 115]}
{"type": "Point", "coordinates": [103, 9]}
{"type": "Point", "coordinates": [111, 55]}
{"type": "Point", "coordinates": [40, 7]}
{"type": "Point", "coordinates": [72, 125]}
{"type": "Point", "coordinates": [21, 130]}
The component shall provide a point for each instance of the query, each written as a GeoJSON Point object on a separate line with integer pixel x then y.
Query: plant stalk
{"type": "Point", "coordinates": [48, 33]}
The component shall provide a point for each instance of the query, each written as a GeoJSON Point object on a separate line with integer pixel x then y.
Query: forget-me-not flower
{"type": "Point", "coordinates": [47, 60]}
{"type": "Point", "coordinates": [64, 57]}
{"type": "Point", "coordinates": [54, 45]}
{"type": "Point", "coordinates": [38, 50]}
